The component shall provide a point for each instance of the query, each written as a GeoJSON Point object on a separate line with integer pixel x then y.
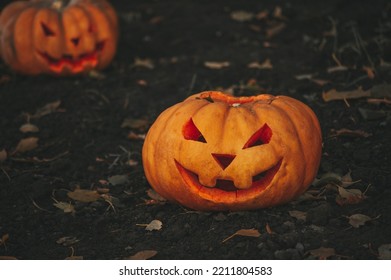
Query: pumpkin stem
{"type": "Point", "coordinates": [213, 96]}
{"type": "Point", "coordinates": [59, 4]}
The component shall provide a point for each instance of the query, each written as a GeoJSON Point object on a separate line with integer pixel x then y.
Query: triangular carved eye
{"type": "Point", "coordinates": [191, 132]}
{"type": "Point", "coordinates": [260, 137]}
{"type": "Point", "coordinates": [46, 30]}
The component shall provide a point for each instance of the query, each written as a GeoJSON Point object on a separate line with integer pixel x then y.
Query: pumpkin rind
{"type": "Point", "coordinates": [57, 36]}
{"type": "Point", "coordinates": [187, 171]}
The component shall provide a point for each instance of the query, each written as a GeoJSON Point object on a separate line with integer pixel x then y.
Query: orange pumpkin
{"type": "Point", "coordinates": [61, 37]}
{"type": "Point", "coordinates": [217, 152]}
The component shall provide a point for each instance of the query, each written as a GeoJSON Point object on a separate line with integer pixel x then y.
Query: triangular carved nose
{"type": "Point", "coordinates": [224, 160]}
{"type": "Point", "coordinates": [75, 41]}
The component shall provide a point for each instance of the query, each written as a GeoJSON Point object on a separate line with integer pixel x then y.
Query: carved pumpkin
{"type": "Point", "coordinates": [218, 152]}
{"type": "Point", "coordinates": [61, 37]}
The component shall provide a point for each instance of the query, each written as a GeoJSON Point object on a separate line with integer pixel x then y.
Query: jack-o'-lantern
{"type": "Point", "coordinates": [218, 152]}
{"type": "Point", "coordinates": [61, 37]}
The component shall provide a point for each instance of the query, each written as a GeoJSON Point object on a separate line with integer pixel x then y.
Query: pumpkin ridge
{"type": "Point", "coordinates": [307, 113]}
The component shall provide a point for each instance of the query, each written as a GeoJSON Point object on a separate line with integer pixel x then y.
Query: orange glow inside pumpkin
{"type": "Point", "coordinates": [75, 64]}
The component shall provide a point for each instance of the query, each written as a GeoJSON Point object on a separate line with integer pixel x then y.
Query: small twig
{"type": "Point", "coordinates": [379, 101]}
{"type": "Point", "coordinates": [40, 208]}
{"type": "Point", "coordinates": [6, 174]}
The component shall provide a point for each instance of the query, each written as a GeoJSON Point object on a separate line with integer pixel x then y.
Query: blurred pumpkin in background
{"type": "Point", "coordinates": [218, 152]}
{"type": "Point", "coordinates": [60, 37]}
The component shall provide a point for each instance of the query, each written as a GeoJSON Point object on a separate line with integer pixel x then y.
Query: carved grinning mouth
{"type": "Point", "coordinates": [259, 182]}
{"type": "Point", "coordinates": [76, 64]}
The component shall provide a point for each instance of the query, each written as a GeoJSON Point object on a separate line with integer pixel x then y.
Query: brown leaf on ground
{"type": "Point", "coordinates": [84, 195]}
{"type": "Point", "coordinates": [244, 232]}
{"type": "Point", "coordinates": [154, 225]}
{"type": "Point", "coordinates": [277, 13]}
{"type": "Point", "coordinates": [4, 239]}
{"type": "Point", "coordinates": [143, 255]}
{"type": "Point", "coordinates": [242, 16]}
{"type": "Point", "coordinates": [26, 144]}
{"type": "Point", "coordinates": [264, 14]}
{"type": "Point", "coordinates": [28, 127]}
{"type": "Point", "coordinates": [323, 253]}
{"type": "Point", "coordinates": [138, 124]}
{"type": "Point", "coordinates": [155, 196]}
{"type": "Point", "coordinates": [349, 132]}
{"type": "Point", "coordinates": [300, 215]}
{"type": "Point", "coordinates": [384, 252]}
{"type": "Point", "coordinates": [216, 64]}
{"type": "Point", "coordinates": [349, 196]}
{"type": "Point", "coordinates": [143, 63]}
{"type": "Point", "coordinates": [4, 258]}
{"type": "Point", "coordinates": [333, 94]}
{"type": "Point", "coordinates": [370, 72]}
{"type": "Point", "coordinates": [269, 229]}
{"type": "Point", "coordinates": [116, 180]}
{"type": "Point", "coordinates": [65, 206]}
{"type": "Point", "coordinates": [264, 65]}
{"type": "Point", "coordinates": [275, 29]}
{"type": "Point", "coordinates": [3, 155]}
{"type": "Point", "coordinates": [337, 68]}
{"type": "Point", "coordinates": [135, 136]}
{"type": "Point", "coordinates": [48, 109]}
{"type": "Point", "coordinates": [357, 220]}
{"type": "Point", "coordinates": [67, 241]}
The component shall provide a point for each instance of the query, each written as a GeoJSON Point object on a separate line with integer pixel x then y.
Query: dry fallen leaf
{"type": "Point", "coordinates": [26, 144]}
{"type": "Point", "coordinates": [84, 195]}
{"type": "Point", "coordinates": [3, 155]}
{"type": "Point", "coordinates": [357, 220]}
{"type": "Point", "coordinates": [269, 229]}
{"type": "Point", "coordinates": [323, 253]}
{"type": "Point", "coordinates": [28, 127]}
{"type": "Point", "coordinates": [138, 124]}
{"type": "Point", "coordinates": [47, 109]}
{"type": "Point", "coordinates": [143, 255]}
{"type": "Point", "coordinates": [349, 196]}
{"type": "Point", "coordinates": [275, 29]}
{"type": "Point", "coordinates": [384, 252]}
{"type": "Point", "coordinates": [7, 258]}
{"type": "Point", "coordinates": [370, 72]}
{"type": "Point", "coordinates": [67, 240]}
{"type": "Point", "coordinates": [333, 94]}
{"type": "Point", "coordinates": [244, 232]}
{"type": "Point", "coordinates": [118, 180]}
{"type": "Point", "coordinates": [65, 206]}
{"type": "Point", "coordinates": [155, 196]}
{"type": "Point", "coordinates": [242, 16]}
{"type": "Point", "coordinates": [4, 239]}
{"type": "Point", "coordinates": [349, 132]}
{"type": "Point", "coordinates": [337, 68]}
{"type": "Point", "coordinates": [264, 65]}
{"type": "Point", "coordinates": [216, 64]}
{"type": "Point", "coordinates": [95, 74]}
{"type": "Point", "coordinates": [135, 136]}
{"type": "Point", "coordinates": [154, 225]}
{"type": "Point", "coordinates": [145, 63]}
{"type": "Point", "coordinates": [300, 215]}
{"type": "Point", "coordinates": [277, 13]}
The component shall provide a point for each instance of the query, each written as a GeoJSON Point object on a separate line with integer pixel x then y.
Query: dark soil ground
{"type": "Point", "coordinates": [92, 137]}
